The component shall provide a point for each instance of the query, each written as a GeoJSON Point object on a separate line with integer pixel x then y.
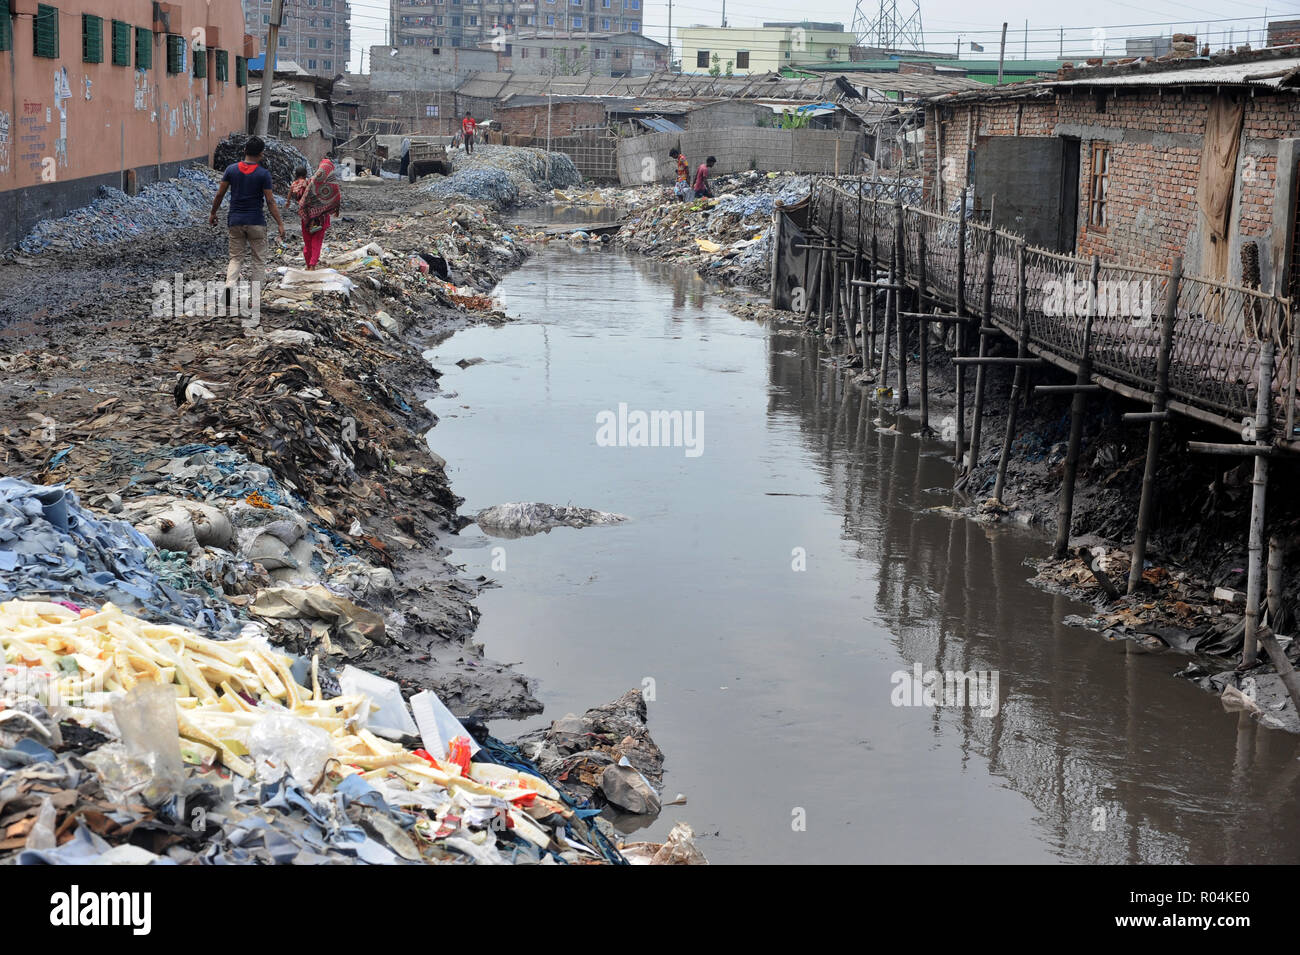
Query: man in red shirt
{"type": "Point", "coordinates": [702, 189]}
{"type": "Point", "coordinates": [467, 126]}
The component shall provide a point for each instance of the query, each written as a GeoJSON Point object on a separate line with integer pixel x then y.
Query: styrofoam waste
{"type": "Point", "coordinates": [316, 280]}
{"type": "Point", "coordinates": [391, 720]}
{"type": "Point", "coordinates": [438, 725]}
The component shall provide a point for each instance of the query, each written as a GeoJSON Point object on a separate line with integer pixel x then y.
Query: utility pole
{"type": "Point", "coordinates": [670, 36]}
{"type": "Point", "coordinates": [268, 67]}
{"type": "Point", "coordinates": [1060, 51]}
{"type": "Point", "coordinates": [1026, 39]}
{"type": "Point", "coordinates": [1002, 52]}
{"type": "Point", "coordinates": [724, 13]}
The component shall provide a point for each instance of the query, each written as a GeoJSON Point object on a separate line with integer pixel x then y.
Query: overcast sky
{"type": "Point", "coordinates": [948, 22]}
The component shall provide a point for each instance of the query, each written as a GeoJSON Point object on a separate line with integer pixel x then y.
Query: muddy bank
{"type": "Point", "coordinates": [325, 392]}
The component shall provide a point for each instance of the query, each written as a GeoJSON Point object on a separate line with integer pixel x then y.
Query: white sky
{"type": "Point", "coordinates": [946, 22]}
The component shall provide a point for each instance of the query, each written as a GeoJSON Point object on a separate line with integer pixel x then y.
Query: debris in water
{"type": "Point", "coordinates": [521, 520]}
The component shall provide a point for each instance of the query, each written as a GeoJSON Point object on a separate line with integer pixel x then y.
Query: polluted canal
{"type": "Point", "coordinates": [784, 588]}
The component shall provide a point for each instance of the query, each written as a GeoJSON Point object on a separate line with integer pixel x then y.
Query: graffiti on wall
{"type": "Point", "coordinates": [33, 140]}
{"type": "Point", "coordinates": [141, 90]}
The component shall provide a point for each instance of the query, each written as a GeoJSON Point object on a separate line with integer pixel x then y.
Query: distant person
{"type": "Point", "coordinates": [683, 184]}
{"type": "Point", "coordinates": [468, 126]}
{"type": "Point", "coordinates": [321, 198]}
{"type": "Point", "coordinates": [702, 190]}
{"type": "Point", "coordinates": [249, 185]}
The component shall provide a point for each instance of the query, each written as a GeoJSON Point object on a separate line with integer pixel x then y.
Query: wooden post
{"type": "Point", "coordinates": [1284, 669]}
{"type": "Point", "coordinates": [1065, 512]}
{"type": "Point", "coordinates": [1147, 503]}
{"type": "Point", "coordinates": [869, 356]}
{"type": "Point", "coordinates": [836, 226]}
{"type": "Point", "coordinates": [959, 336]}
{"type": "Point", "coordinates": [774, 287]}
{"type": "Point", "coordinates": [981, 372]}
{"type": "Point", "coordinates": [1018, 382]}
{"type": "Point", "coordinates": [890, 295]}
{"type": "Point", "coordinates": [824, 281]}
{"type": "Point", "coordinates": [900, 279]}
{"type": "Point", "coordinates": [924, 356]}
{"type": "Point", "coordinates": [1259, 484]}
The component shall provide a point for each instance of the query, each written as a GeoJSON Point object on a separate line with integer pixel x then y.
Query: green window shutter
{"type": "Point", "coordinates": [121, 43]}
{"type": "Point", "coordinates": [6, 27]}
{"type": "Point", "coordinates": [143, 49]}
{"type": "Point", "coordinates": [200, 64]}
{"type": "Point", "coordinates": [45, 32]}
{"type": "Point", "coordinates": [297, 120]}
{"type": "Point", "coordinates": [223, 66]}
{"type": "Point", "coordinates": [241, 71]}
{"type": "Point", "coordinates": [92, 38]}
{"type": "Point", "coordinates": [175, 54]}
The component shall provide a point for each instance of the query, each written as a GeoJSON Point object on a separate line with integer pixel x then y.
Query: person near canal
{"type": "Point", "coordinates": [249, 185]}
{"type": "Point", "coordinates": [682, 187]}
{"type": "Point", "coordinates": [319, 199]}
{"type": "Point", "coordinates": [468, 126]}
{"type": "Point", "coordinates": [702, 190]}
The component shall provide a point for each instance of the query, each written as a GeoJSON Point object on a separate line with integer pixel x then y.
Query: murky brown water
{"type": "Point", "coordinates": [774, 687]}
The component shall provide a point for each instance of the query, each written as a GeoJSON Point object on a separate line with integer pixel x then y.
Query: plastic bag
{"type": "Point", "coordinates": [281, 743]}
{"type": "Point", "coordinates": [146, 719]}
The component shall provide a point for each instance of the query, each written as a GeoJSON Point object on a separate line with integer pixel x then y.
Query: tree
{"type": "Point", "coordinates": [730, 71]}
{"type": "Point", "coordinates": [715, 65]}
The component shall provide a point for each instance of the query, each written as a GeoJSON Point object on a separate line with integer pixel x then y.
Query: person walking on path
{"type": "Point", "coordinates": [249, 185]}
{"type": "Point", "coordinates": [468, 126]}
{"type": "Point", "coordinates": [320, 198]}
{"type": "Point", "coordinates": [702, 190]}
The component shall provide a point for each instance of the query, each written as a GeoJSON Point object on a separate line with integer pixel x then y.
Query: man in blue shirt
{"type": "Point", "coordinates": [249, 185]}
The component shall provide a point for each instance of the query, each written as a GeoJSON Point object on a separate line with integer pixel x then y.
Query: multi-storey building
{"type": "Point", "coordinates": [470, 23]}
{"type": "Point", "coordinates": [316, 34]}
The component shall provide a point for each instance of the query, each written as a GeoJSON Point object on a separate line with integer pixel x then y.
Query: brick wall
{"type": "Point", "coordinates": [564, 118]}
{"type": "Point", "coordinates": [645, 158]}
{"type": "Point", "coordinates": [1155, 139]}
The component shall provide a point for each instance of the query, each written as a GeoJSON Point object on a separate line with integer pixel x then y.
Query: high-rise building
{"type": "Point", "coordinates": [316, 34]}
{"type": "Point", "coordinates": [469, 23]}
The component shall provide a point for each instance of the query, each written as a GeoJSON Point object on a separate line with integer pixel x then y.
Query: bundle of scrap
{"type": "Point", "coordinates": [225, 690]}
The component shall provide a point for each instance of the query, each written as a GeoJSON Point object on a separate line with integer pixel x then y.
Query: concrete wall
{"type": "Point", "coordinates": [729, 113]}
{"type": "Point", "coordinates": [418, 68]}
{"type": "Point", "coordinates": [645, 158]}
{"type": "Point", "coordinates": [67, 126]}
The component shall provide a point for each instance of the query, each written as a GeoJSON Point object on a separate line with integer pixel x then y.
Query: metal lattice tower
{"type": "Point", "coordinates": [888, 29]}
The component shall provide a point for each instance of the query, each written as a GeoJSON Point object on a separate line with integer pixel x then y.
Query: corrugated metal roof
{"type": "Point", "coordinates": [1272, 73]}
{"type": "Point", "coordinates": [658, 124]}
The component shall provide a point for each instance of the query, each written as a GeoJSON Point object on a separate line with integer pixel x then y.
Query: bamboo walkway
{"type": "Point", "coordinates": [1219, 330]}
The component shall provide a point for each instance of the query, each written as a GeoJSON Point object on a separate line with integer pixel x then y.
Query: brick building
{"type": "Point", "coordinates": [1137, 163]}
{"type": "Point", "coordinates": [111, 93]}
{"type": "Point", "coordinates": [316, 34]}
{"type": "Point", "coordinates": [469, 23]}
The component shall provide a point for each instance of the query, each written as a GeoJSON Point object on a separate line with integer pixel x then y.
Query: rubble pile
{"type": "Point", "coordinates": [505, 175]}
{"type": "Point", "coordinates": [116, 217]}
{"type": "Point", "coordinates": [726, 238]}
{"type": "Point", "coordinates": [280, 158]}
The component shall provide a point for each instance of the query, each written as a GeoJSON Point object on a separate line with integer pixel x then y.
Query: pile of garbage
{"type": "Point", "coordinates": [280, 158]}
{"type": "Point", "coordinates": [505, 175]}
{"type": "Point", "coordinates": [114, 217]}
{"type": "Point", "coordinates": [726, 238]}
{"type": "Point", "coordinates": [50, 545]}
{"type": "Point", "coordinates": [313, 773]}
